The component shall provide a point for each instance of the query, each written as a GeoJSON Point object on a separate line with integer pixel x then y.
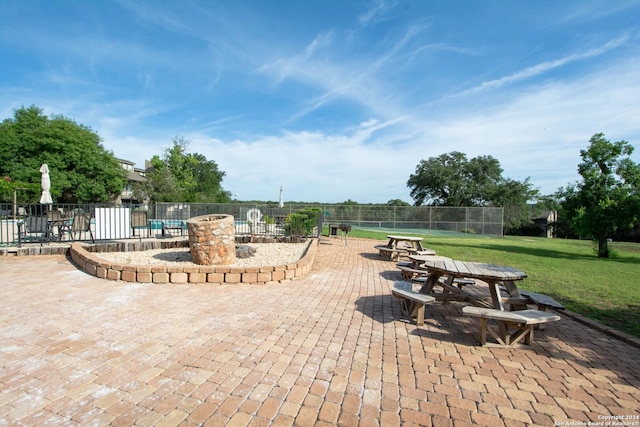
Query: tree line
{"type": "Point", "coordinates": [605, 204]}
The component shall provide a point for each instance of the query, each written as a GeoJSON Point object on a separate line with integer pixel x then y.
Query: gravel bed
{"type": "Point", "coordinates": [266, 254]}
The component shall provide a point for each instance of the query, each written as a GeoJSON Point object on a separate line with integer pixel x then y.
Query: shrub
{"type": "Point", "coordinates": [301, 223]}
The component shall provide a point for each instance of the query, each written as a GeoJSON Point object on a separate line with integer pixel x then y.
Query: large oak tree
{"type": "Point", "coordinates": [453, 180]}
{"type": "Point", "coordinates": [81, 170]}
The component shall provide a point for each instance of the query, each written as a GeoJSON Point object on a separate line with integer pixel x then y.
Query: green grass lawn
{"type": "Point", "coordinates": [606, 290]}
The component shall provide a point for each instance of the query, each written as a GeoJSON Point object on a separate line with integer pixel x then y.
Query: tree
{"type": "Point", "coordinates": [26, 191]}
{"type": "Point", "coordinates": [82, 171]}
{"type": "Point", "coordinates": [452, 180]}
{"type": "Point", "coordinates": [608, 198]}
{"type": "Point", "coordinates": [397, 202]}
{"type": "Point", "coordinates": [514, 196]}
{"type": "Point", "coordinates": [185, 177]}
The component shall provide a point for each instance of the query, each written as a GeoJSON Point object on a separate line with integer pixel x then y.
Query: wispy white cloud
{"type": "Point", "coordinates": [358, 78]}
{"type": "Point", "coordinates": [159, 17]}
{"type": "Point", "coordinates": [376, 12]}
{"type": "Point", "coordinates": [544, 127]}
{"type": "Point", "coordinates": [546, 66]}
{"type": "Point", "coordinates": [593, 10]}
{"type": "Point", "coordinates": [297, 66]}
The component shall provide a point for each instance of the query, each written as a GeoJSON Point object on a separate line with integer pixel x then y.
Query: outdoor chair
{"type": "Point", "coordinates": [139, 222]}
{"type": "Point", "coordinates": [54, 215]}
{"type": "Point", "coordinates": [65, 226]}
{"type": "Point", "coordinates": [55, 221]}
{"type": "Point", "coordinates": [82, 224]}
{"type": "Point", "coordinates": [33, 229]}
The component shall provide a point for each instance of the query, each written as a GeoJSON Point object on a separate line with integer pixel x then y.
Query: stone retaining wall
{"type": "Point", "coordinates": [87, 260]}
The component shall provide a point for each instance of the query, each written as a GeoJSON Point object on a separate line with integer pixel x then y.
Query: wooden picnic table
{"type": "Point", "coordinates": [401, 245]}
{"type": "Point", "coordinates": [406, 241]}
{"type": "Point", "coordinates": [416, 271]}
{"type": "Point", "coordinates": [493, 275]}
{"type": "Point", "coordinates": [512, 325]}
{"type": "Point", "coordinates": [515, 320]}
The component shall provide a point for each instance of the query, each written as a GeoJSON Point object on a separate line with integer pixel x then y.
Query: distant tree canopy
{"type": "Point", "coordinates": [608, 198]}
{"type": "Point", "coordinates": [453, 180]}
{"type": "Point", "coordinates": [397, 202]}
{"type": "Point", "coordinates": [179, 176]}
{"type": "Point", "coordinates": [81, 170]}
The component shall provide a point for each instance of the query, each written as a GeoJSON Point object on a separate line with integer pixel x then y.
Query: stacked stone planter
{"type": "Point", "coordinates": [212, 239]}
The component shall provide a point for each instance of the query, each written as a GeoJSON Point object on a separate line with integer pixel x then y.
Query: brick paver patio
{"type": "Point", "coordinates": [329, 349]}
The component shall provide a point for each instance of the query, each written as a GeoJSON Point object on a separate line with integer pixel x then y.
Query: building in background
{"type": "Point", "coordinates": [134, 175]}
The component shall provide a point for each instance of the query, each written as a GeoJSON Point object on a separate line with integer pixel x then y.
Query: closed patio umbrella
{"type": "Point", "coordinates": [281, 203]}
{"type": "Point", "coordinates": [45, 182]}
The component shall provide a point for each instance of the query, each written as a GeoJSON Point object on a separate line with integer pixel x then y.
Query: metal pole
{"type": "Point", "coordinates": [15, 200]}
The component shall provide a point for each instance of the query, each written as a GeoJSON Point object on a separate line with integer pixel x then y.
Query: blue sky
{"type": "Point", "coordinates": [333, 100]}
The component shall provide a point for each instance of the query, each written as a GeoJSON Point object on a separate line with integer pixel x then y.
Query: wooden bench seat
{"type": "Point", "coordinates": [409, 272]}
{"type": "Point", "coordinates": [413, 302]}
{"type": "Point", "coordinates": [457, 281]}
{"type": "Point", "coordinates": [523, 321]}
{"type": "Point", "coordinates": [424, 252]}
{"type": "Point", "coordinates": [542, 301]}
{"type": "Point", "coordinates": [390, 253]}
{"type": "Point", "coordinates": [460, 282]}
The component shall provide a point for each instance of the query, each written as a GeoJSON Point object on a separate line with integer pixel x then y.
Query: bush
{"type": "Point", "coordinates": [301, 223]}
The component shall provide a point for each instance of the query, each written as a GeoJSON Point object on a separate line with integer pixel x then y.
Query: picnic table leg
{"type": "Point", "coordinates": [513, 291]}
{"type": "Point", "coordinates": [496, 298]}
{"type": "Point", "coordinates": [482, 335]}
{"type": "Point", "coordinates": [448, 282]}
{"type": "Point", "coordinates": [413, 310]}
{"type": "Point", "coordinates": [432, 280]}
{"type": "Point", "coordinates": [419, 314]}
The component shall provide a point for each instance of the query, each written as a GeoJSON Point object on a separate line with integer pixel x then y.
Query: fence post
{"type": "Point", "coordinates": [394, 217]}
{"type": "Point", "coordinates": [466, 220]}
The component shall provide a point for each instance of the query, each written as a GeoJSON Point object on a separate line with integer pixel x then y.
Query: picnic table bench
{"type": "Point", "coordinates": [542, 301]}
{"type": "Point", "coordinates": [391, 253]}
{"type": "Point", "coordinates": [522, 322]}
{"type": "Point", "coordinates": [413, 302]}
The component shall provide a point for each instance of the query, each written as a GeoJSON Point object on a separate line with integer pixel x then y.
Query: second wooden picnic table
{"type": "Point", "coordinates": [401, 245]}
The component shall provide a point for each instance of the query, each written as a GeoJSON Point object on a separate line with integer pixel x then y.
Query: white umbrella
{"type": "Point", "coordinates": [281, 203]}
{"type": "Point", "coordinates": [45, 182]}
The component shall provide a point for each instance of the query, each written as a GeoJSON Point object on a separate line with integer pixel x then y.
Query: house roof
{"type": "Point", "coordinates": [134, 176]}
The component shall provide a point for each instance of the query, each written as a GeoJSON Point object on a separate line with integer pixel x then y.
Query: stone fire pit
{"type": "Point", "coordinates": [212, 239]}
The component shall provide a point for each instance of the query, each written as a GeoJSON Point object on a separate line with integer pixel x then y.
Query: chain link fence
{"type": "Point", "coordinates": [134, 221]}
{"type": "Point", "coordinates": [471, 220]}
